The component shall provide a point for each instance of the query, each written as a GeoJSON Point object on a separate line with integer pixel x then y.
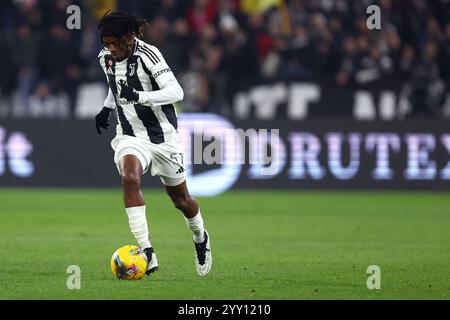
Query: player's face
{"type": "Point", "coordinates": [119, 47]}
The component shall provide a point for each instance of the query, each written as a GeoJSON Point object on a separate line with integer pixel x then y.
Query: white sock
{"type": "Point", "coordinates": [138, 225]}
{"type": "Point", "coordinates": [195, 224]}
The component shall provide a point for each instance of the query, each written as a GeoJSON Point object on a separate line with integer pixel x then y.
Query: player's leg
{"type": "Point", "coordinates": [180, 197]}
{"type": "Point", "coordinates": [131, 170]}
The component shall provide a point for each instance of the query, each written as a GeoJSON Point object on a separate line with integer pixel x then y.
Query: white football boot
{"type": "Point", "coordinates": [152, 262]}
{"type": "Point", "coordinates": [203, 258]}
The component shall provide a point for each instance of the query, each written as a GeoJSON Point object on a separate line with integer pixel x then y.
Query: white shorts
{"type": "Point", "coordinates": [164, 160]}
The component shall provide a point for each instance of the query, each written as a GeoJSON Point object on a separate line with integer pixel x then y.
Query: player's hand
{"type": "Point", "coordinates": [128, 92]}
{"type": "Point", "coordinates": [101, 119]}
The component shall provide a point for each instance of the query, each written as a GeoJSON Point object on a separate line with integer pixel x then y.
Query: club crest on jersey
{"type": "Point", "coordinates": [109, 66]}
{"type": "Point", "coordinates": [132, 69]}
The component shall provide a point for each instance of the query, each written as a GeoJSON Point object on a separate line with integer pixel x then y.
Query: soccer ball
{"type": "Point", "coordinates": [129, 263]}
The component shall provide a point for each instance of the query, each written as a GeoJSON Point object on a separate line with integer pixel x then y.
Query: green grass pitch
{"type": "Point", "coordinates": [265, 245]}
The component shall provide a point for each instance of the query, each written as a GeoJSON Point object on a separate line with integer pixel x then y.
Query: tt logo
{"type": "Point", "coordinates": [14, 151]}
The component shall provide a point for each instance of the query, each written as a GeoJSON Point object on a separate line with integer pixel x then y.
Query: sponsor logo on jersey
{"type": "Point", "coordinates": [160, 72]}
{"type": "Point", "coordinates": [124, 102]}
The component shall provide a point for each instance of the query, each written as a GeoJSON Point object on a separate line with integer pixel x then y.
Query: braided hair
{"type": "Point", "coordinates": [117, 24]}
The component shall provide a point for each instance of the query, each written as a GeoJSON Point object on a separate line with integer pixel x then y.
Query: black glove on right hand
{"type": "Point", "coordinates": [127, 92]}
{"type": "Point", "coordinates": [101, 119]}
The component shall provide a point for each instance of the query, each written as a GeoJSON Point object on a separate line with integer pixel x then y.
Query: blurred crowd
{"type": "Point", "coordinates": [218, 47]}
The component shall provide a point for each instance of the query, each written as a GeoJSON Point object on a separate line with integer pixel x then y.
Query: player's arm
{"type": "Point", "coordinates": [110, 101]}
{"type": "Point", "coordinates": [101, 119]}
{"type": "Point", "coordinates": [169, 91]}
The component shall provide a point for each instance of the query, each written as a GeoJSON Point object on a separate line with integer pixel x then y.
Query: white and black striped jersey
{"type": "Point", "coordinates": [154, 116]}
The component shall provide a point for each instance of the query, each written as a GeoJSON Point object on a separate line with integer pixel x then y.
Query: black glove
{"type": "Point", "coordinates": [101, 119]}
{"type": "Point", "coordinates": [128, 92]}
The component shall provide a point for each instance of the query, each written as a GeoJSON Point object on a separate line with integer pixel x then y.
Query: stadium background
{"type": "Point", "coordinates": [357, 109]}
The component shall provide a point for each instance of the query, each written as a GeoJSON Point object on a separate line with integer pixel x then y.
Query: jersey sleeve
{"type": "Point", "coordinates": [170, 90]}
{"type": "Point", "coordinates": [110, 102]}
{"type": "Point", "coordinates": [101, 59]}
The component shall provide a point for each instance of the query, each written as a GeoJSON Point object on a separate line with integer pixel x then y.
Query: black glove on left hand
{"type": "Point", "coordinates": [128, 92]}
{"type": "Point", "coordinates": [101, 119]}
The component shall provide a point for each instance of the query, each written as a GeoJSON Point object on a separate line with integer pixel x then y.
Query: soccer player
{"type": "Point", "coordinates": [143, 91]}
